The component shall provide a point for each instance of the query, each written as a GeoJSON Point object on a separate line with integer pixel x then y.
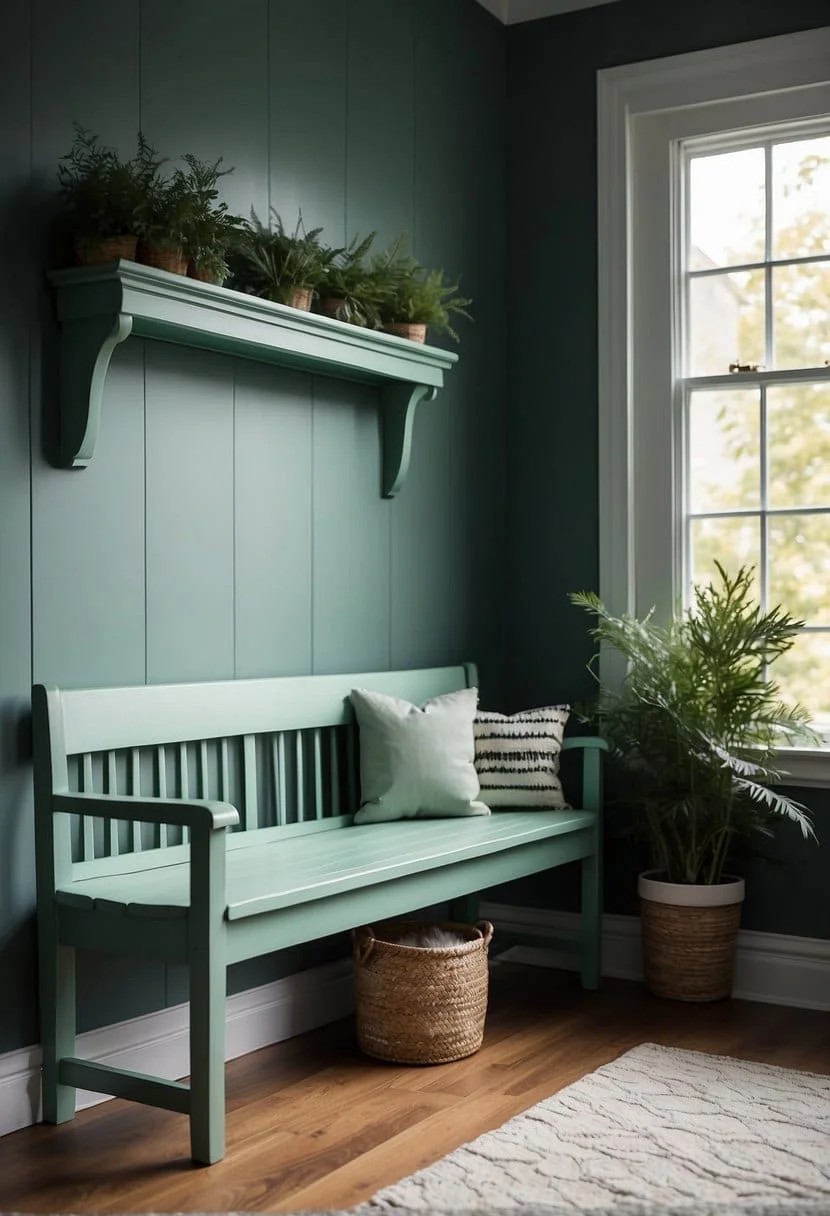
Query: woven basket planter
{"type": "Point", "coordinates": [163, 257]}
{"type": "Point", "coordinates": [421, 1005]}
{"type": "Point", "coordinates": [689, 937]}
{"type": "Point", "coordinates": [300, 297]}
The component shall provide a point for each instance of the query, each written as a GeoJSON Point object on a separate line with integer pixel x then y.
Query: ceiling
{"type": "Point", "coordinates": [510, 12]}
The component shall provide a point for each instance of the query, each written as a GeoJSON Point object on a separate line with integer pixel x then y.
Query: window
{"type": "Point", "coordinates": [714, 249]}
{"type": "Point", "coordinates": [754, 385]}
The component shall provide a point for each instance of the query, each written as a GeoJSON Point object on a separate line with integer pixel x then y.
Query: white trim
{"type": "Point", "coordinates": [770, 967]}
{"type": "Point", "coordinates": [158, 1042]}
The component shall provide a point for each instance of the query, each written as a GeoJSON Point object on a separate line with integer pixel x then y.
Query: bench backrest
{"type": "Point", "coordinates": [282, 751]}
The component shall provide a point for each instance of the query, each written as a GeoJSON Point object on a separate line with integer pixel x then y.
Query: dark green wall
{"type": "Point", "coordinates": [552, 393]}
{"type": "Point", "coordinates": [230, 523]}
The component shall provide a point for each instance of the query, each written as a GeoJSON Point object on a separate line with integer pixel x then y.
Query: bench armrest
{"type": "Point", "coordinates": [180, 812]}
{"type": "Point", "coordinates": [585, 741]}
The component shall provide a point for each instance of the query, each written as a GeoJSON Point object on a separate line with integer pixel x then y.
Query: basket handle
{"type": "Point", "coordinates": [486, 930]}
{"type": "Point", "coordinates": [363, 943]}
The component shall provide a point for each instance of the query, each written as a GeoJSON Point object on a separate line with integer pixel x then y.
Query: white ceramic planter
{"type": "Point", "coordinates": [691, 895]}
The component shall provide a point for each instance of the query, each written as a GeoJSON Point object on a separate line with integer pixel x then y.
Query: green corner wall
{"type": "Point", "coordinates": [552, 396]}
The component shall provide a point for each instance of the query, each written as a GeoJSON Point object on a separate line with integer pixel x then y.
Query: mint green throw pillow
{"type": "Point", "coordinates": [416, 761]}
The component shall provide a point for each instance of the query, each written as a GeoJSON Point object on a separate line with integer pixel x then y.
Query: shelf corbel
{"type": "Point", "coordinates": [399, 402]}
{"type": "Point", "coordinates": [100, 306]}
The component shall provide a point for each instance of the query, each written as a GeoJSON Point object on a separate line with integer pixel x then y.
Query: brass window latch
{"type": "Point", "coordinates": [746, 367]}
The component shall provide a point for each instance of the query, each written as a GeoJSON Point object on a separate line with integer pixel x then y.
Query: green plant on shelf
{"type": "Point", "coordinates": [415, 295]}
{"type": "Point", "coordinates": [209, 230]}
{"type": "Point", "coordinates": [100, 193]}
{"type": "Point", "coordinates": [276, 264]}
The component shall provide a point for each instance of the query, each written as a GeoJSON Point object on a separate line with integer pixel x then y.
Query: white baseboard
{"type": "Point", "coordinates": [769, 967]}
{"type": "Point", "coordinates": [158, 1042]}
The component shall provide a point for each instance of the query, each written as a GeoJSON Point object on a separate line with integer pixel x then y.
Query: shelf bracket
{"type": "Point", "coordinates": [87, 344]}
{"type": "Point", "coordinates": [398, 404]}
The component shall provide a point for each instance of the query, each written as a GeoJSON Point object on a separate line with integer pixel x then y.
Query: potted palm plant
{"type": "Point", "coordinates": [281, 265]}
{"type": "Point", "coordinates": [100, 194]}
{"type": "Point", "coordinates": [696, 725]}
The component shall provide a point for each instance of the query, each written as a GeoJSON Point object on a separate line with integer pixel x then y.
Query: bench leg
{"type": "Point", "coordinates": [57, 1028]}
{"type": "Point", "coordinates": [591, 928]}
{"type": "Point", "coordinates": [207, 1058]}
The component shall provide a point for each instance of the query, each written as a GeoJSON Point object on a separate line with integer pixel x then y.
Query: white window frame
{"type": "Point", "coordinates": [643, 111]}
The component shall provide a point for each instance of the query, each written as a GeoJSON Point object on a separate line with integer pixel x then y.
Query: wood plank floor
{"type": "Point", "coordinates": [313, 1124]}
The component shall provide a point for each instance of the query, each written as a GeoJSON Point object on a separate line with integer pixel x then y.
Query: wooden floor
{"type": "Point", "coordinates": [313, 1124]}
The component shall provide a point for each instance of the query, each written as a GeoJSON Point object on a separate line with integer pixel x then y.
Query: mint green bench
{"type": "Point", "coordinates": [210, 823]}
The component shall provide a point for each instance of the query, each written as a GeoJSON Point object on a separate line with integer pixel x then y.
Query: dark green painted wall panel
{"type": "Point", "coordinates": [231, 521]}
{"type": "Point", "coordinates": [351, 553]}
{"type": "Point", "coordinates": [552, 355]}
{"type": "Point", "coordinates": [273, 520]}
{"type": "Point", "coordinates": [190, 473]}
{"type": "Point", "coordinates": [307, 111]}
{"type": "Point", "coordinates": [16, 317]}
{"type": "Point", "coordinates": [204, 89]}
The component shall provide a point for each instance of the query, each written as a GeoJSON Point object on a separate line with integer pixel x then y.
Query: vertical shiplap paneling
{"type": "Point", "coordinates": [190, 561]}
{"type": "Point", "coordinates": [307, 112]}
{"type": "Point", "coordinates": [204, 89]}
{"type": "Point", "coordinates": [17, 1017]}
{"type": "Point", "coordinates": [381, 118]}
{"type": "Point", "coordinates": [467, 174]}
{"type": "Point", "coordinates": [351, 531]}
{"type": "Point", "coordinates": [273, 521]}
{"type": "Point", "coordinates": [88, 525]}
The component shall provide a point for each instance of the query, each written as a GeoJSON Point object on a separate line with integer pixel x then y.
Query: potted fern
{"type": "Point", "coordinates": [209, 229]}
{"type": "Point", "coordinates": [100, 194]}
{"type": "Point", "coordinates": [281, 265]}
{"type": "Point", "coordinates": [696, 725]}
{"type": "Point", "coordinates": [351, 290]}
{"type": "Point", "coordinates": [416, 299]}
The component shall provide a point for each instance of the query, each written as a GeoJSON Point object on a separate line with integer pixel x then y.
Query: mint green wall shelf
{"type": "Point", "coordinates": [100, 306]}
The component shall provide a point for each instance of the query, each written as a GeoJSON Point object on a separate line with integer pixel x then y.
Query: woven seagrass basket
{"type": "Point", "coordinates": [689, 947]}
{"type": "Point", "coordinates": [421, 1004]}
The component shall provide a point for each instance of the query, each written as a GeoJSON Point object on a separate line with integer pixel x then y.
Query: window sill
{"type": "Point", "coordinates": [805, 766]}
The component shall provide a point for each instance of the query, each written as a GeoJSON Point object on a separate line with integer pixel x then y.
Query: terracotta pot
{"type": "Point", "coordinates": [407, 329]}
{"type": "Point", "coordinates": [163, 257]}
{"type": "Point", "coordinates": [203, 276]}
{"type": "Point", "coordinates": [689, 933]}
{"type": "Point", "coordinates": [301, 298]}
{"type": "Point", "coordinates": [109, 249]}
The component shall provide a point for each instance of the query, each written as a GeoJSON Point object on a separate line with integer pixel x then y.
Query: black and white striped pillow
{"type": "Point", "coordinates": [517, 757]}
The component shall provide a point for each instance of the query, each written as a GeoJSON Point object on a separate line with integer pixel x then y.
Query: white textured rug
{"type": "Point", "coordinates": [658, 1130]}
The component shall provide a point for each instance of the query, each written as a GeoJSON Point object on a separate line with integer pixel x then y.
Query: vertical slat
{"type": "Point", "coordinates": [335, 772]}
{"type": "Point", "coordinates": [161, 758]}
{"type": "Point", "coordinates": [88, 835]}
{"type": "Point", "coordinates": [204, 782]}
{"type": "Point", "coordinates": [281, 787]}
{"type": "Point", "coordinates": [279, 799]}
{"type": "Point", "coordinates": [250, 810]}
{"type": "Point", "coordinates": [318, 773]}
{"type": "Point", "coordinates": [354, 789]}
{"type": "Point", "coordinates": [184, 782]}
{"type": "Point", "coordinates": [135, 790]}
{"type": "Point", "coordinates": [224, 772]}
{"type": "Point", "coordinates": [112, 788]}
{"type": "Point", "coordinates": [299, 755]}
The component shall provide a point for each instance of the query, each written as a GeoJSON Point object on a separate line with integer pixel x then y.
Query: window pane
{"type": "Point", "coordinates": [732, 542]}
{"type": "Point", "coordinates": [726, 321]}
{"type": "Point", "coordinates": [726, 209]}
{"type": "Point", "coordinates": [798, 445]}
{"type": "Point", "coordinates": [800, 190]}
{"type": "Point", "coordinates": [803, 673]}
{"type": "Point", "coordinates": [800, 308]}
{"type": "Point", "coordinates": [799, 566]}
{"type": "Point", "coordinates": [724, 450]}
